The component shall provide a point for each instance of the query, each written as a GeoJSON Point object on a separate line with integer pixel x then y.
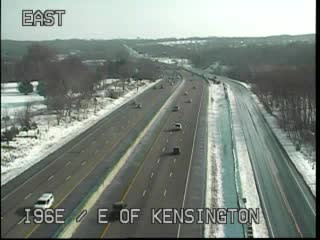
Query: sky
{"type": "Point", "coordinates": [111, 19]}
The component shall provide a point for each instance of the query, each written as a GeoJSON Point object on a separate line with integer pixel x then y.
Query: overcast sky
{"type": "Point", "coordinates": [109, 19]}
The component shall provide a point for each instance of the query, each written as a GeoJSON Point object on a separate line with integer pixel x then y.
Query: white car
{"type": "Point", "coordinates": [45, 201]}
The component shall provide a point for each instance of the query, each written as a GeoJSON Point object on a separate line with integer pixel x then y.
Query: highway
{"type": "Point", "coordinates": [71, 171]}
{"type": "Point", "coordinates": [161, 179]}
{"type": "Point", "coordinates": [287, 202]}
{"type": "Point", "coordinates": [153, 177]}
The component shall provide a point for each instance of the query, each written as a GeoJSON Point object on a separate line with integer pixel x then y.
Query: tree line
{"type": "Point", "coordinates": [69, 85]}
{"type": "Point", "coordinates": [284, 79]}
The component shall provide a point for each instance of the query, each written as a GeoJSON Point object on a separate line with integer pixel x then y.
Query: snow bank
{"type": "Point", "coordinates": [247, 181]}
{"type": "Point", "coordinates": [29, 151]}
{"type": "Point", "coordinates": [214, 191]}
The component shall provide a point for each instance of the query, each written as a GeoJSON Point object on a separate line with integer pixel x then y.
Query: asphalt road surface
{"type": "Point", "coordinates": [162, 180]}
{"type": "Point", "coordinates": [74, 169]}
{"type": "Point", "coordinates": [288, 204]}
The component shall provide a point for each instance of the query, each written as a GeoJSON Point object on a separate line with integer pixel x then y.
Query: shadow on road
{"type": "Point", "coordinates": [21, 211]}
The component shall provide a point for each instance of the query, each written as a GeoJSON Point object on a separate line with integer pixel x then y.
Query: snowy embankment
{"type": "Point", "coordinates": [247, 181]}
{"type": "Point", "coordinates": [214, 197]}
{"type": "Point", "coordinates": [25, 152]}
{"type": "Point", "coordinates": [303, 162]}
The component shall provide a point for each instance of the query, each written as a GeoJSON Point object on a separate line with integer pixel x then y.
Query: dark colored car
{"type": "Point", "coordinates": [175, 108]}
{"type": "Point", "coordinates": [116, 208]}
{"type": "Point", "coordinates": [176, 150]}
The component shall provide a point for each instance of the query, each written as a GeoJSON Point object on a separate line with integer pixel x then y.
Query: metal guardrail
{"type": "Point", "coordinates": [241, 199]}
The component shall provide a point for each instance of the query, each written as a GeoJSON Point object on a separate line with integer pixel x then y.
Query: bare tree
{"type": "Point", "coordinates": [24, 118]}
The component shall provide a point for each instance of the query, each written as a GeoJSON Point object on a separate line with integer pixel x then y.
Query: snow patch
{"type": "Point", "coordinates": [214, 191]}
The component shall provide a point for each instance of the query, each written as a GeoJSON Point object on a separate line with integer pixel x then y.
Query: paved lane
{"type": "Point", "coordinates": [170, 173]}
{"type": "Point", "coordinates": [289, 205]}
{"type": "Point", "coordinates": [159, 181]}
{"type": "Point", "coordinates": [72, 170]}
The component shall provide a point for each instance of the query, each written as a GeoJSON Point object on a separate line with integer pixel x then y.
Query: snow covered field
{"type": "Point", "coordinates": [25, 152]}
{"type": "Point", "coordinates": [12, 100]}
{"type": "Point", "coordinates": [214, 191]}
{"type": "Point", "coordinates": [178, 61]}
{"type": "Point", "coordinates": [179, 42]}
{"type": "Point", "coordinates": [247, 181]}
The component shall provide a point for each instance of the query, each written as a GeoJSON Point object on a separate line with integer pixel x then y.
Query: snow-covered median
{"type": "Point", "coordinates": [247, 181]}
{"type": "Point", "coordinates": [303, 162]}
{"type": "Point", "coordinates": [214, 190]}
{"type": "Point", "coordinates": [25, 152]}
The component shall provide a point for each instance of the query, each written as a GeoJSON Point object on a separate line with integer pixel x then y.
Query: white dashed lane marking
{"type": "Point", "coordinates": [21, 220]}
{"type": "Point", "coordinates": [26, 197]}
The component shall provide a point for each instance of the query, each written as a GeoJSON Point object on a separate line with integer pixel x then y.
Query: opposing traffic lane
{"type": "Point", "coordinates": [288, 204]}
